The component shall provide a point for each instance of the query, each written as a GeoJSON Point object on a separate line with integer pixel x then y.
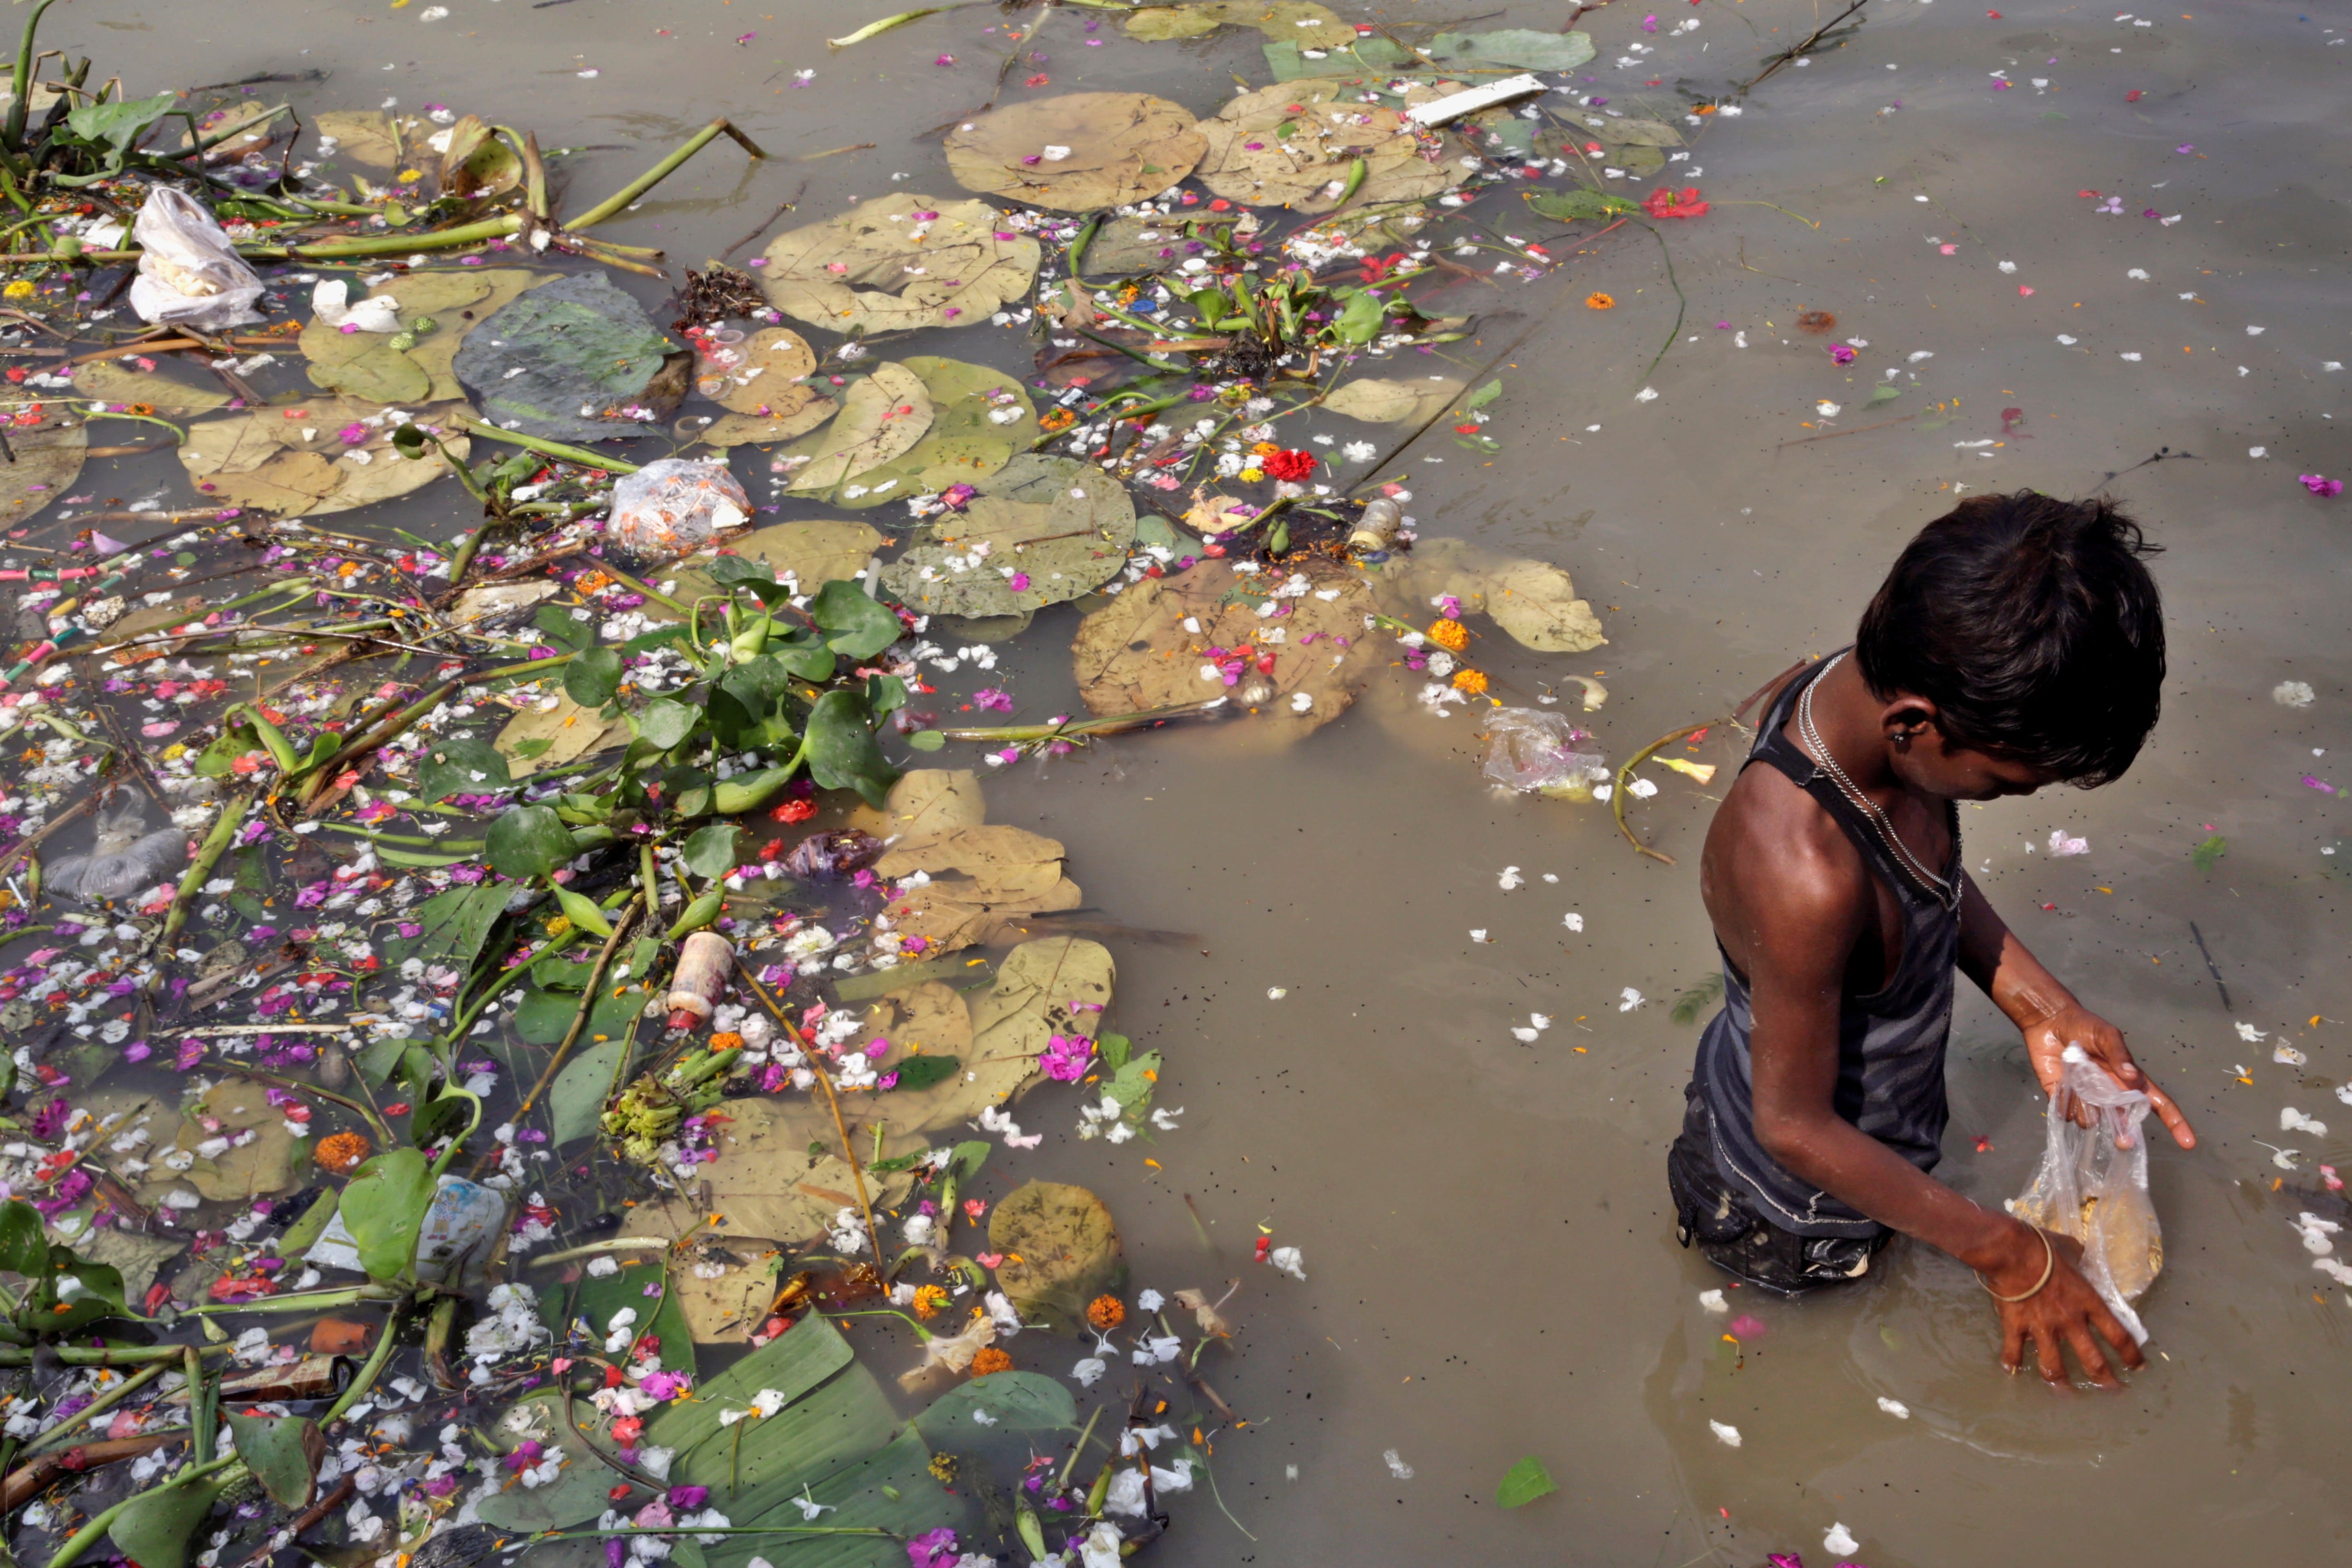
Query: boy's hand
{"type": "Point", "coordinates": [2075, 1025]}
{"type": "Point", "coordinates": [2065, 1311]}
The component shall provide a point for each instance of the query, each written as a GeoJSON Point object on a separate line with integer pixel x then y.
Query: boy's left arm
{"type": "Point", "coordinates": [2046, 1013]}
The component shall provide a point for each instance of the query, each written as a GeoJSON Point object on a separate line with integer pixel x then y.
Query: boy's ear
{"type": "Point", "coordinates": [1909, 717]}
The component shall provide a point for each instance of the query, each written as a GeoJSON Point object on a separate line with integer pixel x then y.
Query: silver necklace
{"type": "Point", "coordinates": [1943, 893]}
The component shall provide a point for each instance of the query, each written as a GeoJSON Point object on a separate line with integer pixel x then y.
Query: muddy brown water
{"type": "Point", "coordinates": [1491, 1272]}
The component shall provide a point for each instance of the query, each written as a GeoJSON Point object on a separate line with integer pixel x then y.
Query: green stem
{"type": "Point", "coordinates": [216, 845]}
{"type": "Point", "coordinates": [22, 103]}
{"type": "Point", "coordinates": [1109, 723]}
{"type": "Point", "coordinates": [313, 1300]}
{"type": "Point", "coordinates": [55, 1437]}
{"type": "Point", "coordinates": [89, 1534]}
{"type": "Point", "coordinates": [374, 1367]}
{"type": "Point", "coordinates": [645, 181]}
{"type": "Point", "coordinates": [605, 461]}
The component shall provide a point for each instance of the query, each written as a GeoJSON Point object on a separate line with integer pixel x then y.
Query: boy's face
{"type": "Point", "coordinates": [1931, 761]}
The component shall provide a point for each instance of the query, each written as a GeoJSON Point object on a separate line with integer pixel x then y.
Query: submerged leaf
{"type": "Point", "coordinates": [985, 881]}
{"type": "Point", "coordinates": [591, 364]}
{"type": "Point", "coordinates": [1299, 22]}
{"type": "Point", "coordinates": [980, 418]}
{"type": "Point", "coordinates": [283, 1453]}
{"type": "Point", "coordinates": [1395, 402]}
{"type": "Point", "coordinates": [1535, 601]}
{"type": "Point", "coordinates": [764, 390]}
{"type": "Point", "coordinates": [1522, 47]}
{"type": "Point", "coordinates": [378, 367]}
{"type": "Point", "coordinates": [1014, 1402]}
{"type": "Point", "coordinates": [767, 1186]}
{"type": "Point", "coordinates": [1061, 1250]}
{"type": "Point", "coordinates": [897, 272]}
{"type": "Point", "coordinates": [1077, 152]}
{"type": "Point", "coordinates": [48, 459]}
{"type": "Point", "coordinates": [1052, 528]}
{"type": "Point", "coordinates": [1527, 1480]}
{"type": "Point", "coordinates": [881, 416]}
{"type": "Point", "coordinates": [117, 381]}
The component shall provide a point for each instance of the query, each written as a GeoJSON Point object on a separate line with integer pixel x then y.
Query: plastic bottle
{"type": "Point", "coordinates": [1376, 531]}
{"type": "Point", "coordinates": [702, 966]}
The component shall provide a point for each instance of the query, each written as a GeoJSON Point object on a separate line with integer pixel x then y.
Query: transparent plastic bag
{"type": "Point", "coordinates": [672, 506]}
{"type": "Point", "coordinates": [2093, 1185]}
{"type": "Point", "coordinates": [1531, 749]}
{"type": "Point", "coordinates": [188, 275]}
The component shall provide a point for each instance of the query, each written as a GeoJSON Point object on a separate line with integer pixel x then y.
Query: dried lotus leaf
{"type": "Point", "coordinates": [1136, 652]}
{"type": "Point", "coordinates": [881, 269]}
{"type": "Point", "coordinates": [881, 417]}
{"type": "Point", "coordinates": [297, 468]}
{"type": "Point", "coordinates": [1055, 527]}
{"type": "Point", "coordinates": [1295, 144]}
{"type": "Point", "coordinates": [1078, 152]}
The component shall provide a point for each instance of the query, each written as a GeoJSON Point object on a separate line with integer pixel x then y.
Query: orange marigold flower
{"type": "Point", "coordinates": [1599, 303]}
{"type": "Point", "coordinates": [1260, 448]}
{"type": "Point", "coordinates": [929, 1298]}
{"type": "Point", "coordinates": [990, 1360]}
{"type": "Point", "coordinates": [139, 409]}
{"type": "Point", "coordinates": [341, 1153]}
{"type": "Point", "coordinates": [1471, 682]}
{"type": "Point", "coordinates": [1105, 1313]}
{"type": "Point", "coordinates": [726, 1040]}
{"type": "Point", "coordinates": [1449, 634]}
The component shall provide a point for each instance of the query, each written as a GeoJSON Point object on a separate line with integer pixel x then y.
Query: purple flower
{"type": "Point", "coordinates": [2184, 148]}
{"type": "Point", "coordinates": [526, 1454]}
{"type": "Point", "coordinates": [617, 1551]}
{"type": "Point", "coordinates": [994, 700]}
{"type": "Point", "coordinates": [666, 1386]}
{"type": "Point", "coordinates": [191, 1052]}
{"type": "Point", "coordinates": [689, 1496]}
{"type": "Point", "coordinates": [1067, 1057]}
{"type": "Point", "coordinates": [1840, 353]}
{"type": "Point", "coordinates": [933, 1549]}
{"type": "Point", "coordinates": [2319, 485]}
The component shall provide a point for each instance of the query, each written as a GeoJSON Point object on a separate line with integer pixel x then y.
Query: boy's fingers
{"type": "Point", "coordinates": [2174, 1122]}
{"type": "Point", "coordinates": [2087, 1351]}
{"type": "Point", "coordinates": [2046, 1352]}
{"type": "Point", "coordinates": [2012, 1341]}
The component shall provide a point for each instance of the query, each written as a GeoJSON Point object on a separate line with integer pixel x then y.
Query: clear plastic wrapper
{"type": "Point", "coordinates": [1533, 749]}
{"type": "Point", "coordinates": [2093, 1185]}
{"type": "Point", "coordinates": [671, 507]}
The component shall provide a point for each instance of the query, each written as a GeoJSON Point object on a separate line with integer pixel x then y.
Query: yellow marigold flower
{"type": "Point", "coordinates": [1252, 476]}
{"type": "Point", "coordinates": [989, 1359]}
{"type": "Point", "coordinates": [929, 1298]}
{"type": "Point", "coordinates": [21, 288]}
{"type": "Point", "coordinates": [1451, 636]}
{"type": "Point", "coordinates": [943, 1469]}
{"type": "Point", "coordinates": [559, 925]}
{"type": "Point", "coordinates": [1599, 302]}
{"type": "Point", "coordinates": [1471, 682]}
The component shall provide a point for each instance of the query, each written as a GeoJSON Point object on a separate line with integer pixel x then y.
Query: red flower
{"type": "Point", "coordinates": [1376, 269]}
{"type": "Point", "coordinates": [2133, 96]}
{"type": "Point", "coordinates": [794, 811]}
{"type": "Point", "coordinates": [1291, 465]}
{"type": "Point", "coordinates": [1469, 429]}
{"type": "Point", "coordinates": [1663, 203]}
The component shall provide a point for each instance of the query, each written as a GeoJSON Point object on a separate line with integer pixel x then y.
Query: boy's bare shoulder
{"type": "Point", "coordinates": [1774, 855]}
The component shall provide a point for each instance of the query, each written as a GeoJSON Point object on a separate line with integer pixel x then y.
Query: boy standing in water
{"type": "Point", "coordinates": [2019, 642]}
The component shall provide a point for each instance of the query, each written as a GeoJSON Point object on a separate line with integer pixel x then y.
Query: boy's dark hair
{"type": "Point", "coordinates": [2033, 625]}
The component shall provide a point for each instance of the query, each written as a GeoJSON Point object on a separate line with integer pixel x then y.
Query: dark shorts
{"type": "Point", "coordinates": [1728, 1232]}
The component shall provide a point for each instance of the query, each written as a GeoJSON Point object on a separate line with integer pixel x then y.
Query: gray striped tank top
{"type": "Point", "coordinates": [1890, 1081]}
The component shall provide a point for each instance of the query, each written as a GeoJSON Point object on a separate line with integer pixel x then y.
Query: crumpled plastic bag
{"type": "Point", "coordinates": [189, 277]}
{"type": "Point", "coordinates": [2093, 1185]}
{"type": "Point", "coordinates": [671, 506]}
{"type": "Point", "coordinates": [124, 858]}
{"type": "Point", "coordinates": [1532, 749]}
{"type": "Point", "coordinates": [331, 302]}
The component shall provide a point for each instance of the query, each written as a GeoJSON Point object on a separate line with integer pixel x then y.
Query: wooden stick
{"type": "Point", "coordinates": [848, 1152]}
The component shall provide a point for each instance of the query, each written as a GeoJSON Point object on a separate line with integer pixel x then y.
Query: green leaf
{"type": "Point", "coordinates": [529, 842]}
{"type": "Point", "coordinates": [1522, 47]}
{"type": "Point", "coordinates": [711, 851]}
{"type": "Point", "coordinates": [384, 1208]}
{"type": "Point", "coordinates": [213, 761]}
{"type": "Point", "coordinates": [156, 1528]}
{"type": "Point", "coordinates": [1578, 206]}
{"type": "Point", "coordinates": [598, 1300]}
{"type": "Point", "coordinates": [75, 1292]}
{"type": "Point", "coordinates": [884, 694]}
{"type": "Point", "coordinates": [1484, 396]}
{"type": "Point", "coordinates": [737, 571]}
{"type": "Point", "coordinates": [581, 911]}
{"type": "Point", "coordinates": [462, 766]}
{"type": "Point", "coordinates": [577, 1496]}
{"type": "Point", "coordinates": [385, 1057]}
{"type": "Point", "coordinates": [1115, 1049]}
{"type": "Point", "coordinates": [1360, 322]}
{"type": "Point", "coordinates": [593, 675]}
{"type": "Point", "coordinates": [24, 1246]}
{"type": "Point", "coordinates": [665, 723]}
{"type": "Point", "coordinates": [579, 342]}
{"type": "Point", "coordinates": [544, 1016]}
{"type": "Point", "coordinates": [117, 125]}
{"type": "Point", "coordinates": [927, 741]}
{"type": "Point", "coordinates": [283, 1452]}
{"type": "Point", "coordinates": [1883, 394]}
{"type": "Point", "coordinates": [1525, 1482]}
{"type": "Point", "coordinates": [1023, 1402]}
{"type": "Point", "coordinates": [842, 752]}
{"type": "Point", "coordinates": [857, 624]}
{"type": "Point", "coordinates": [559, 626]}
{"type": "Point", "coordinates": [922, 1072]}
{"type": "Point", "coordinates": [2210, 853]}
{"type": "Point", "coordinates": [577, 1096]}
